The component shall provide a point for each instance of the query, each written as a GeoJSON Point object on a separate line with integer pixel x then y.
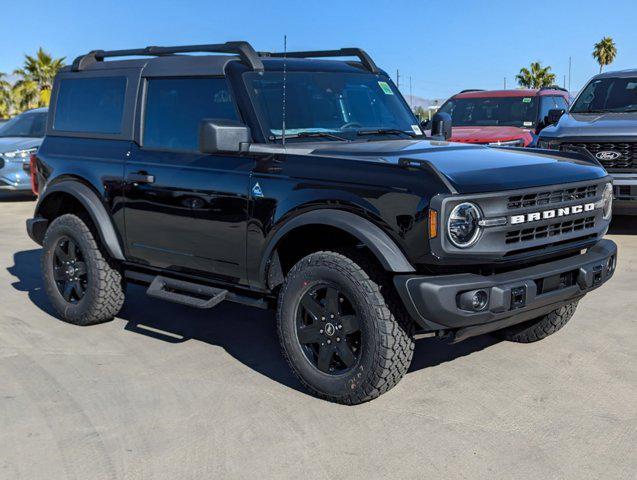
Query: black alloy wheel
{"type": "Point", "coordinates": [328, 329]}
{"type": "Point", "coordinates": [69, 270]}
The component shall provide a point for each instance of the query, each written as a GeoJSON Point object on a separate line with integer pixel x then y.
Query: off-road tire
{"type": "Point", "coordinates": [538, 328]}
{"type": "Point", "coordinates": [386, 329]}
{"type": "Point", "coordinates": [104, 294]}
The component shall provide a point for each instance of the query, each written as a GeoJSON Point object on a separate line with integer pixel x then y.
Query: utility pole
{"type": "Point", "coordinates": [569, 74]}
{"type": "Point", "coordinates": [564, 81]}
{"type": "Point", "coordinates": [505, 83]}
{"type": "Point", "coordinates": [411, 100]}
{"type": "Point", "coordinates": [397, 79]}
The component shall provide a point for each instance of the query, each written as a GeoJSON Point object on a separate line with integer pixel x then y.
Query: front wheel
{"type": "Point", "coordinates": [342, 330]}
{"type": "Point", "coordinates": [538, 328]}
{"type": "Point", "coordinates": [80, 283]}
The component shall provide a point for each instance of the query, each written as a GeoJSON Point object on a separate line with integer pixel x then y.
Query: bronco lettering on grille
{"type": "Point", "coordinates": [547, 214]}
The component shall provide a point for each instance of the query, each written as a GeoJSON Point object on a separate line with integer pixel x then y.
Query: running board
{"type": "Point", "coordinates": [186, 293]}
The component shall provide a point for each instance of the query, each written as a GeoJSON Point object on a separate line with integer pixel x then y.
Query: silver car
{"type": "Point", "coordinates": [19, 138]}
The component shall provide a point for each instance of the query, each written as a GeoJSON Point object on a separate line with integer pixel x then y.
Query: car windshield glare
{"type": "Point", "coordinates": [608, 95]}
{"type": "Point", "coordinates": [25, 125]}
{"type": "Point", "coordinates": [492, 111]}
{"type": "Point", "coordinates": [325, 105]}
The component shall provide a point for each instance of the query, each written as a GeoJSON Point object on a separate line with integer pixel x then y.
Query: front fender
{"type": "Point", "coordinates": [381, 245]}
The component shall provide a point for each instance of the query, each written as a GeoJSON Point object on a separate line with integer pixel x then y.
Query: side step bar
{"type": "Point", "coordinates": [186, 293]}
{"type": "Point", "coordinates": [189, 293]}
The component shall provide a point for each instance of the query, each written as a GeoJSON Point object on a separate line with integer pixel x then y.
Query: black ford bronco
{"type": "Point", "coordinates": [305, 184]}
{"type": "Point", "coordinates": [603, 123]}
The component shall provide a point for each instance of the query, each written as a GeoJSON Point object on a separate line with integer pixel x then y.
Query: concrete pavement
{"type": "Point", "coordinates": [168, 392]}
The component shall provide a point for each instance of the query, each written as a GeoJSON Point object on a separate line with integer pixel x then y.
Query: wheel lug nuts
{"type": "Point", "coordinates": [331, 316]}
{"type": "Point", "coordinates": [320, 331]}
{"type": "Point", "coordinates": [329, 341]}
{"type": "Point", "coordinates": [323, 318]}
{"type": "Point", "coordinates": [338, 339]}
{"type": "Point", "coordinates": [340, 326]}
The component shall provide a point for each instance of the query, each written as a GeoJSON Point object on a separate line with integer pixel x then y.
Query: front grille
{"type": "Point", "coordinates": [549, 231]}
{"type": "Point", "coordinates": [627, 150]}
{"type": "Point", "coordinates": [551, 197]}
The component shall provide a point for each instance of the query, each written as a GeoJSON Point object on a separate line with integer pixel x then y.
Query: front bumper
{"type": "Point", "coordinates": [13, 177]}
{"type": "Point", "coordinates": [513, 297]}
{"type": "Point", "coordinates": [625, 189]}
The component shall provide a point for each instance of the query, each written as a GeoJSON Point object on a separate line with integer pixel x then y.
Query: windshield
{"type": "Point", "coordinates": [608, 95]}
{"type": "Point", "coordinates": [328, 105]}
{"type": "Point", "coordinates": [492, 111]}
{"type": "Point", "coordinates": [25, 125]}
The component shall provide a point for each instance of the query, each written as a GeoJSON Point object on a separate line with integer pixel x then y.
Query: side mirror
{"type": "Point", "coordinates": [218, 135]}
{"type": "Point", "coordinates": [425, 124]}
{"type": "Point", "coordinates": [554, 115]}
{"type": "Point", "coordinates": [441, 126]}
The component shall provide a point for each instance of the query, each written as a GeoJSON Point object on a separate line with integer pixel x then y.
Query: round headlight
{"type": "Point", "coordinates": [462, 227]}
{"type": "Point", "coordinates": [607, 201]}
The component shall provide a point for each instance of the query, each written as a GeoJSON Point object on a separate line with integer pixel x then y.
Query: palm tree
{"type": "Point", "coordinates": [33, 89]}
{"type": "Point", "coordinates": [6, 99]}
{"type": "Point", "coordinates": [605, 52]}
{"type": "Point", "coordinates": [535, 77]}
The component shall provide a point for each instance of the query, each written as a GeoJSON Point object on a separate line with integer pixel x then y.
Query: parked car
{"type": "Point", "coordinates": [19, 138]}
{"type": "Point", "coordinates": [603, 123]}
{"type": "Point", "coordinates": [186, 174]}
{"type": "Point", "coordinates": [502, 117]}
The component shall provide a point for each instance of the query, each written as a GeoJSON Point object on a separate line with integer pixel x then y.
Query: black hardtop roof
{"type": "Point", "coordinates": [172, 60]}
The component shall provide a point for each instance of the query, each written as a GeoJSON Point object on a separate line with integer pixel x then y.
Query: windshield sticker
{"type": "Point", "coordinates": [526, 100]}
{"type": "Point", "coordinates": [416, 129]}
{"type": "Point", "coordinates": [528, 124]}
{"type": "Point", "coordinates": [386, 88]}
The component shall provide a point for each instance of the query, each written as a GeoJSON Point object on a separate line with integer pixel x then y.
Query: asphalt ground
{"type": "Point", "coordinates": [168, 392]}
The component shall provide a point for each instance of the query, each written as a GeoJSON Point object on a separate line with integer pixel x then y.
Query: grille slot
{"type": "Point", "coordinates": [551, 197]}
{"type": "Point", "coordinates": [549, 231]}
{"type": "Point", "coordinates": [628, 151]}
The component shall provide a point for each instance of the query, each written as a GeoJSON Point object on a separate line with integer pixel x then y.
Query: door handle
{"type": "Point", "coordinates": [140, 177]}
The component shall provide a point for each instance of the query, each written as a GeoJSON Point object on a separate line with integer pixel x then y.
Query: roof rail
{"type": "Point", "coordinates": [365, 59]}
{"type": "Point", "coordinates": [473, 90]}
{"type": "Point", "coordinates": [553, 87]}
{"type": "Point", "coordinates": [243, 49]}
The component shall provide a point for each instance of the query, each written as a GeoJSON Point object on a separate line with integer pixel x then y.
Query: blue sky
{"type": "Point", "coordinates": [444, 46]}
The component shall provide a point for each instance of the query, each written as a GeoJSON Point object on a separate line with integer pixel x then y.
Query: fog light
{"type": "Point", "coordinates": [610, 266]}
{"type": "Point", "coordinates": [479, 300]}
{"type": "Point", "coordinates": [475, 300]}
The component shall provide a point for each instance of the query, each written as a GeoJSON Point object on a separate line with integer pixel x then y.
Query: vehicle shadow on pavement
{"type": "Point", "coordinates": [623, 225]}
{"type": "Point", "coordinates": [16, 197]}
{"type": "Point", "coordinates": [247, 334]}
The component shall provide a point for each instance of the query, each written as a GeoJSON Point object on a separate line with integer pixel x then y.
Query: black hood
{"type": "Point", "coordinates": [470, 168]}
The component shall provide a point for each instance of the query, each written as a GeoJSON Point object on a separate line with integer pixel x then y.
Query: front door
{"type": "Point", "coordinates": [186, 210]}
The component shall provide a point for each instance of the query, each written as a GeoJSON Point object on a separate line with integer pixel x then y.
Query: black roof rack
{"type": "Point", "coordinates": [365, 59]}
{"type": "Point", "coordinates": [553, 87]}
{"type": "Point", "coordinates": [243, 49]}
{"type": "Point", "coordinates": [472, 90]}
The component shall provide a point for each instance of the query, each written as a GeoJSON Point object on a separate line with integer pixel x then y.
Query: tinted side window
{"type": "Point", "coordinates": [546, 104]}
{"type": "Point", "coordinates": [561, 103]}
{"type": "Point", "coordinates": [90, 105]}
{"type": "Point", "coordinates": [174, 108]}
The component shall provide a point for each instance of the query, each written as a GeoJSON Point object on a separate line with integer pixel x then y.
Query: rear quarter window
{"type": "Point", "coordinates": [90, 105]}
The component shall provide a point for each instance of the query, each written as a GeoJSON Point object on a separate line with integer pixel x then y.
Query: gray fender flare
{"type": "Point", "coordinates": [381, 245]}
{"type": "Point", "coordinates": [94, 206]}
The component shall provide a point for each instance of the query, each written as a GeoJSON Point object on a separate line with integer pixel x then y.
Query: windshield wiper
{"type": "Point", "coordinates": [385, 131]}
{"type": "Point", "coordinates": [310, 135]}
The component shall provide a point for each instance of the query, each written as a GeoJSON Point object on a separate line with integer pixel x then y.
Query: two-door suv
{"type": "Point", "coordinates": [305, 184]}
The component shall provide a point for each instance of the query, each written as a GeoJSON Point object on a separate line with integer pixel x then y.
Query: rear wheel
{"type": "Point", "coordinates": [341, 329]}
{"type": "Point", "coordinates": [538, 328]}
{"type": "Point", "coordinates": [80, 283]}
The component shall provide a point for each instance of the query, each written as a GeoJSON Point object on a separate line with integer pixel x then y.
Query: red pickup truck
{"type": "Point", "coordinates": [503, 117]}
